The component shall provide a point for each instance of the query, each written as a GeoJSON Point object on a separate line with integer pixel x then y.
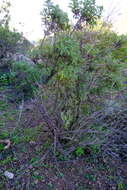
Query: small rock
{"type": "Point", "coordinates": [22, 58]}
{"type": "Point", "coordinates": [32, 143]}
{"type": "Point", "coordinates": [9, 175]}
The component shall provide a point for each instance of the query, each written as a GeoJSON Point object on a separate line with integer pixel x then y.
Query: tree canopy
{"type": "Point", "coordinates": [85, 12]}
{"type": "Point", "coordinates": [54, 18]}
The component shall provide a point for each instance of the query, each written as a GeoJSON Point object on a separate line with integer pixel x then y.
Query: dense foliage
{"type": "Point", "coordinates": [53, 18]}
{"type": "Point", "coordinates": [84, 75]}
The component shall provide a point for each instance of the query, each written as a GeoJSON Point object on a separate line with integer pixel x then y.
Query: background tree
{"type": "Point", "coordinates": [85, 12]}
{"type": "Point", "coordinates": [5, 13]}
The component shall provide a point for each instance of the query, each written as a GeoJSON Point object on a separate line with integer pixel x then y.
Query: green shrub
{"type": "Point", "coordinates": [4, 80]}
{"type": "Point", "coordinates": [79, 151]}
{"type": "Point", "coordinates": [42, 51]}
{"type": "Point", "coordinates": [82, 68]}
{"type": "Point", "coordinates": [8, 41]}
{"type": "Point", "coordinates": [25, 78]}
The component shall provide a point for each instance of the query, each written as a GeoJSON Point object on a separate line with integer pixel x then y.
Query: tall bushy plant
{"type": "Point", "coordinates": [83, 71]}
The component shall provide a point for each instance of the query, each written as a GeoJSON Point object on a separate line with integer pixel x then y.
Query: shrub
{"type": "Point", "coordinates": [83, 73]}
{"type": "Point", "coordinates": [8, 42]}
{"type": "Point", "coordinates": [42, 51]}
{"type": "Point", "coordinates": [25, 78]}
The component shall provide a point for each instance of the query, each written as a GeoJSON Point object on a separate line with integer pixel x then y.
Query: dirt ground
{"type": "Point", "coordinates": [33, 164]}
